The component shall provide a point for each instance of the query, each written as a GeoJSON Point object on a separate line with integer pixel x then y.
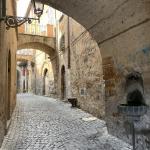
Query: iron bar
{"type": "Point", "coordinates": [14, 21]}
{"type": "Point", "coordinates": [133, 136]}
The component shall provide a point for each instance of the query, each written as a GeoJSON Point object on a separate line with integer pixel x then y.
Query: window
{"type": "Point", "coordinates": [62, 43]}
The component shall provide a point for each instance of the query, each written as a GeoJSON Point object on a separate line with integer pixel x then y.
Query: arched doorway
{"type": "Point", "coordinates": [18, 81]}
{"type": "Point", "coordinates": [63, 83]}
{"type": "Point", "coordinates": [45, 82]}
{"type": "Point", "coordinates": [9, 85]}
{"type": "Point", "coordinates": [27, 80]}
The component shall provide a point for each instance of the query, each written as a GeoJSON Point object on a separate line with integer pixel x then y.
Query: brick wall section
{"type": "Point", "coordinates": [50, 30]}
{"type": "Point", "coordinates": [21, 29]}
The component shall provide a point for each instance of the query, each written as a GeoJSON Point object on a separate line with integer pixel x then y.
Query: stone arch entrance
{"type": "Point", "coordinates": [63, 82]}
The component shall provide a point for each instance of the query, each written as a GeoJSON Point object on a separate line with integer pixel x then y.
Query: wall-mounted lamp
{"type": "Point", "coordinates": [15, 21]}
{"type": "Point", "coordinates": [38, 8]}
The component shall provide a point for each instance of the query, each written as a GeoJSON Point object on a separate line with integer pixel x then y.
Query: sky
{"type": "Point", "coordinates": [48, 15]}
{"type": "Point", "coordinates": [22, 6]}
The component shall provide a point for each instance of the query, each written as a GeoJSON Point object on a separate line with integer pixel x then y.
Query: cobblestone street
{"type": "Point", "coordinates": [42, 123]}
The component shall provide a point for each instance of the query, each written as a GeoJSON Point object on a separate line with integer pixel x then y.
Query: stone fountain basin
{"type": "Point", "coordinates": [132, 110]}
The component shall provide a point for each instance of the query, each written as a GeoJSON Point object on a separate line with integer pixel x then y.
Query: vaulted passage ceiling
{"type": "Point", "coordinates": [104, 19]}
{"type": "Point", "coordinates": [45, 44]}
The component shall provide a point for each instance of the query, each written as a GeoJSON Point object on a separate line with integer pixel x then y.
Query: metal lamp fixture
{"type": "Point", "coordinates": [38, 8]}
{"type": "Point", "coordinates": [15, 21]}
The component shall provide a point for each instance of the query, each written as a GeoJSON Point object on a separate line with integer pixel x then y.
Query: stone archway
{"type": "Point", "coordinates": [44, 47]}
{"type": "Point", "coordinates": [63, 82]}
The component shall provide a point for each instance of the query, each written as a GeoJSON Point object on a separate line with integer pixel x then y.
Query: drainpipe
{"type": "Point", "coordinates": [69, 66]}
{"type": "Point", "coordinates": [57, 56]}
{"type": "Point", "coordinates": [69, 59]}
{"type": "Point", "coordinates": [56, 35]}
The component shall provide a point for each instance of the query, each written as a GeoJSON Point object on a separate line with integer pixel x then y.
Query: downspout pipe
{"type": "Point", "coordinates": [69, 66]}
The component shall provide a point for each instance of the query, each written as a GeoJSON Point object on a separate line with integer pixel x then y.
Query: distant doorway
{"type": "Point", "coordinates": [45, 82]}
{"type": "Point", "coordinates": [24, 86]}
{"type": "Point", "coordinates": [63, 83]}
{"type": "Point", "coordinates": [18, 81]}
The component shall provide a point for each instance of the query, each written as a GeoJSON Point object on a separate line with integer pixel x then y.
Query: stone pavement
{"type": "Point", "coordinates": [42, 123]}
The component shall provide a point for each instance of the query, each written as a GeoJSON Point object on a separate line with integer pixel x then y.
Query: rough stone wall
{"type": "Point", "coordinates": [84, 79]}
{"type": "Point", "coordinates": [7, 42]}
{"type": "Point", "coordinates": [123, 53]}
{"type": "Point", "coordinates": [86, 71]}
{"type": "Point", "coordinates": [127, 56]}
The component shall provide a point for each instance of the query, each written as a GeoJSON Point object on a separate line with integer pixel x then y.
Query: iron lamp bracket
{"type": "Point", "coordinates": [14, 21]}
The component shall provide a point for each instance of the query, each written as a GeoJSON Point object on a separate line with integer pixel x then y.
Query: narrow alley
{"type": "Point", "coordinates": [42, 123]}
{"type": "Point", "coordinates": [75, 75]}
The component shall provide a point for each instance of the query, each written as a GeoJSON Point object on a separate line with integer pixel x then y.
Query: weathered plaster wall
{"type": "Point", "coordinates": [7, 100]}
{"type": "Point", "coordinates": [129, 52]}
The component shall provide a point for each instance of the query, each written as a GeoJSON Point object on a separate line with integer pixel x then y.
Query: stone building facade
{"type": "Point", "coordinates": [8, 46]}
{"type": "Point", "coordinates": [80, 66]}
{"type": "Point", "coordinates": [94, 79]}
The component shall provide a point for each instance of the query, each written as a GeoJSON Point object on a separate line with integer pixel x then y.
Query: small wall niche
{"type": "Point", "coordinates": [82, 91]}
